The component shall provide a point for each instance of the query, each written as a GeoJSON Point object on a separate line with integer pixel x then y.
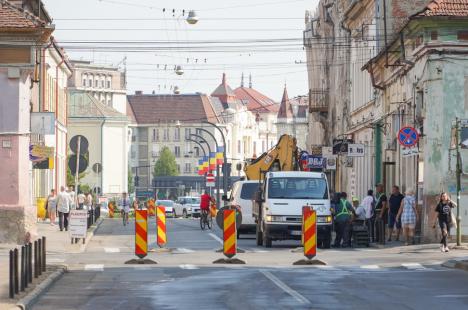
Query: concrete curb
{"type": "Point", "coordinates": [91, 234]}
{"type": "Point", "coordinates": [29, 300]}
{"type": "Point", "coordinates": [456, 264]}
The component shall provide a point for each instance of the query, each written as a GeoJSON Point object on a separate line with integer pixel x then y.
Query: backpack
{"type": "Point", "coordinates": [373, 204]}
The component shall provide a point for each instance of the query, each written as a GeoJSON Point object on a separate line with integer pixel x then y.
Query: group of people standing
{"type": "Point", "coordinates": [397, 213]}
{"type": "Point", "coordinates": [61, 203]}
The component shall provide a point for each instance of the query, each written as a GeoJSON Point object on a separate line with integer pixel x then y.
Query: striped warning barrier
{"type": "Point", "coordinates": [309, 232]}
{"type": "Point", "coordinates": [161, 225]}
{"type": "Point", "coordinates": [141, 233]}
{"type": "Point", "coordinates": [229, 233]}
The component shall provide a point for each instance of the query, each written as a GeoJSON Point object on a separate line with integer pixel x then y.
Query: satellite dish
{"type": "Point", "coordinates": [192, 18]}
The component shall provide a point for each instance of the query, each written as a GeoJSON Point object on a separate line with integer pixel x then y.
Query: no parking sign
{"type": "Point", "coordinates": [408, 136]}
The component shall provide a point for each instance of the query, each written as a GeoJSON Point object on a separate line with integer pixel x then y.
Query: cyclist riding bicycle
{"type": "Point", "coordinates": [205, 202]}
{"type": "Point", "coordinates": [124, 205]}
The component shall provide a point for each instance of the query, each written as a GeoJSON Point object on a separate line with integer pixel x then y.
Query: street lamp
{"type": "Point", "coordinates": [225, 175]}
{"type": "Point", "coordinates": [192, 18]}
{"type": "Point", "coordinates": [199, 144]}
{"type": "Point", "coordinates": [218, 194]}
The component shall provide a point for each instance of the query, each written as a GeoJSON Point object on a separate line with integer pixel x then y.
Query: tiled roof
{"type": "Point", "coordinates": [151, 109]}
{"type": "Point", "coordinates": [256, 101]}
{"type": "Point", "coordinates": [457, 8]}
{"type": "Point", "coordinates": [223, 89]}
{"type": "Point", "coordinates": [285, 110]}
{"type": "Point", "coordinates": [130, 113]}
{"type": "Point", "coordinates": [13, 17]}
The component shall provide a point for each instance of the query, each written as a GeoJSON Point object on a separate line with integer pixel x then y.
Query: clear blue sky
{"type": "Point", "coordinates": [251, 20]}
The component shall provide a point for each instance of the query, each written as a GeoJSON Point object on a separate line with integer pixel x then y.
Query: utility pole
{"type": "Point", "coordinates": [458, 175]}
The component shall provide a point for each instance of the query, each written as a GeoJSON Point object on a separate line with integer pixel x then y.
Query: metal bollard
{"type": "Point", "coordinates": [12, 276]}
{"type": "Point", "coordinates": [36, 273]}
{"type": "Point", "coordinates": [30, 270]}
{"type": "Point", "coordinates": [44, 254]}
{"type": "Point", "coordinates": [23, 264]}
{"type": "Point", "coordinates": [39, 257]}
{"type": "Point", "coordinates": [15, 260]}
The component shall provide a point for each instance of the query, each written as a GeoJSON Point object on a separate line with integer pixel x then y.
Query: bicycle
{"type": "Point", "coordinates": [206, 219]}
{"type": "Point", "coordinates": [124, 217]}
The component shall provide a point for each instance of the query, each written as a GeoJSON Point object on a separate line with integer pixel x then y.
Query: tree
{"type": "Point", "coordinates": [71, 177]}
{"type": "Point", "coordinates": [166, 164]}
{"type": "Point", "coordinates": [131, 186]}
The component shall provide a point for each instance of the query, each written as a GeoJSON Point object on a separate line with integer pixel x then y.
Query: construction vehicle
{"type": "Point", "coordinates": [282, 192]}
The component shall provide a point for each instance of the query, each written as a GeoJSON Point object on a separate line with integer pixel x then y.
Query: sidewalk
{"type": "Point", "coordinates": [57, 242]}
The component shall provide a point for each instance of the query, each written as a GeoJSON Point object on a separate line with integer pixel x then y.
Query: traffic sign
{"type": "Point", "coordinates": [356, 150]}
{"type": "Point", "coordinates": [408, 136]}
{"type": "Point", "coordinates": [83, 144]}
{"type": "Point", "coordinates": [210, 180]}
{"type": "Point", "coordinates": [72, 164]}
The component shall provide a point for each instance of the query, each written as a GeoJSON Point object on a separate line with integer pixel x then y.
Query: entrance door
{"type": "Point", "coordinates": [388, 176]}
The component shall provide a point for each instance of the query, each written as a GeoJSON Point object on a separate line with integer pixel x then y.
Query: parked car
{"type": "Point", "coordinates": [169, 205]}
{"type": "Point", "coordinates": [242, 196]}
{"type": "Point", "coordinates": [188, 206]}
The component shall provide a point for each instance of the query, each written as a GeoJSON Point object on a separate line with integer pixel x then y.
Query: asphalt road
{"type": "Point", "coordinates": [185, 278]}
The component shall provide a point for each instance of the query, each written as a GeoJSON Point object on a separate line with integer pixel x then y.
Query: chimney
{"type": "Point", "coordinates": [250, 80]}
{"type": "Point", "coordinates": [138, 92]}
{"type": "Point", "coordinates": [224, 78]}
{"type": "Point", "coordinates": [242, 80]}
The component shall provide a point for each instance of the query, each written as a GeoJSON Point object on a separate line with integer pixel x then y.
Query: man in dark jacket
{"type": "Point", "coordinates": [343, 216]}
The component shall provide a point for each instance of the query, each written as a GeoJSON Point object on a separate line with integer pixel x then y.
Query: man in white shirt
{"type": "Point", "coordinates": [71, 192]}
{"type": "Point", "coordinates": [369, 206]}
{"type": "Point", "coordinates": [63, 208]}
{"type": "Point", "coordinates": [81, 200]}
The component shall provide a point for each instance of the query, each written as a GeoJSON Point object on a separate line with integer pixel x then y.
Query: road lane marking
{"type": "Point", "coordinates": [94, 267]}
{"type": "Point", "coordinates": [112, 250]}
{"type": "Point", "coordinates": [216, 238]}
{"type": "Point", "coordinates": [372, 267]}
{"type": "Point", "coordinates": [451, 296]}
{"type": "Point", "coordinates": [301, 299]}
{"type": "Point", "coordinates": [183, 250]}
{"type": "Point", "coordinates": [55, 260]}
{"type": "Point", "coordinates": [189, 267]}
{"type": "Point", "coordinates": [413, 266]}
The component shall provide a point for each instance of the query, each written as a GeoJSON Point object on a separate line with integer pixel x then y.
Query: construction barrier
{"type": "Point", "coordinates": [141, 233]}
{"type": "Point", "coordinates": [111, 209]}
{"type": "Point", "coordinates": [151, 206]}
{"type": "Point", "coordinates": [41, 208]}
{"type": "Point", "coordinates": [310, 232]}
{"type": "Point", "coordinates": [161, 225]}
{"type": "Point", "coordinates": [213, 210]}
{"type": "Point", "coordinates": [229, 233]}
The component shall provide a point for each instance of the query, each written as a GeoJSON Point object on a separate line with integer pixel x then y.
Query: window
{"type": "Point", "coordinates": [434, 35]}
{"type": "Point", "coordinates": [155, 150]}
{"type": "Point", "coordinates": [255, 148]}
{"type": "Point", "coordinates": [177, 151]}
{"type": "Point", "coordinates": [166, 134]}
{"type": "Point", "coordinates": [108, 84]}
{"type": "Point", "coordinates": [102, 83]}
{"type": "Point", "coordinates": [188, 168]}
{"type": "Point", "coordinates": [199, 132]}
{"type": "Point", "coordinates": [188, 131]}
{"type": "Point", "coordinates": [96, 83]}
{"type": "Point", "coordinates": [263, 146]}
{"type": "Point", "coordinates": [177, 134]}
{"type": "Point", "coordinates": [197, 151]}
{"type": "Point", "coordinates": [155, 136]}
{"type": "Point", "coordinates": [239, 146]}
{"type": "Point", "coordinates": [462, 35]}
{"type": "Point", "coordinates": [248, 190]}
{"type": "Point", "coordinates": [297, 188]}
{"type": "Point", "coordinates": [85, 78]}
{"type": "Point", "coordinates": [178, 168]}
{"type": "Point", "coordinates": [90, 82]}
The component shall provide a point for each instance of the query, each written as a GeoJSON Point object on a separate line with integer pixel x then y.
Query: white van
{"type": "Point", "coordinates": [242, 195]}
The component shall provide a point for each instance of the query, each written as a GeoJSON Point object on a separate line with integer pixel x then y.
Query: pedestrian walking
{"type": "Point", "coordinates": [88, 201]}
{"type": "Point", "coordinates": [369, 206]}
{"type": "Point", "coordinates": [51, 206]}
{"type": "Point", "coordinates": [394, 203]}
{"type": "Point", "coordinates": [444, 217]}
{"type": "Point", "coordinates": [408, 216]}
{"type": "Point", "coordinates": [63, 207]}
{"type": "Point", "coordinates": [381, 213]}
{"type": "Point", "coordinates": [72, 194]}
{"type": "Point", "coordinates": [343, 216]}
{"type": "Point", "coordinates": [81, 200]}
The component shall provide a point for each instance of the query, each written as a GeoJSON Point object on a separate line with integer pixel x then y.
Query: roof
{"type": "Point", "coordinates": [151, 109]}
{"type": "Point", "coordinates": [84, 105]}
{"type": "Point", "coordinates": [13, 17]}
{"type": "Point", "coordinates": [223, 89]}
{"type": "Point", "coordinates": [130, 113]}
{"type": "Point", "coordinates": [256, 101]}
{"type": "Point", "coordinates": [285, 110]}
{"type": "Point", "coordinates": [458, 8]}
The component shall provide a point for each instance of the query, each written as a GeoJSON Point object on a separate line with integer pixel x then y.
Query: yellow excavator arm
{"type": "Point", "coordinates": [284, 154]}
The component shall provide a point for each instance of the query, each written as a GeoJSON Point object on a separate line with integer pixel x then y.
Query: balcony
{"type": "Point", "coordinates": [319, 100]}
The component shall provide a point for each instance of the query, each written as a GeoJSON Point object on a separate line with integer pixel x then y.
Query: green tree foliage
{"type": "Point", "coordinates": [166, 164]}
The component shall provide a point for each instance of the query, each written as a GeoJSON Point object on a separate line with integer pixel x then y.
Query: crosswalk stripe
{"type": "Point", "coordinates": [55, 260]}
{"type": "Point", "coordinates": [189, 267]}
{"type": "Point", "coordinates": [183, 250]}
{"type": "Point", "coordinates": [94, 267]}
{"type": "Point", "coordinates": [414, 266]}
{"type": "Point", "coordinates": [372, 267]}
{"type": "Point", "coordinates": [111, 250]}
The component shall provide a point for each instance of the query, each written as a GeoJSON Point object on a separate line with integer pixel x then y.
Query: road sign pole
{"type": "Point", "coordinates": [458, 173]}
{"type": "Point", "coordinates": [77, 163]}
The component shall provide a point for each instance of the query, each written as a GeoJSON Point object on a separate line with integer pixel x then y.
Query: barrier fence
{"type": "Point", "coordinates": [24, 264]}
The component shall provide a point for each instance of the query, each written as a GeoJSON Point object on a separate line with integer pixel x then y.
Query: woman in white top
{"type": "Point", "coordinates": [52, 206]}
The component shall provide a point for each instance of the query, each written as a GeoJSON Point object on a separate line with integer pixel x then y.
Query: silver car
{"type": "Point", "coordinates": [188, 206]}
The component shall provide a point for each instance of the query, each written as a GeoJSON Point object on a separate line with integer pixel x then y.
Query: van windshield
{"type": "Point", "coordinates": [248, 191]}
{"type": "Point", "coordinates": [297, 188]}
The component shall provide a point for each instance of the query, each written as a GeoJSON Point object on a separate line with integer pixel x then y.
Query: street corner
{"type": "Point", "coordinates": [457, 263]}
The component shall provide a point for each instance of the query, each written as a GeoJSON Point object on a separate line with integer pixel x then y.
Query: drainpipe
{"type": "Point", "coordinates": [102, 155]}
{"type": "Point", "coordinates": [56, 118]}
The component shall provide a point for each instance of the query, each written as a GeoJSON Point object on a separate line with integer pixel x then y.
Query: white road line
{"type": "Point", "coordinates": [183, 250]}
{"type": "Point", "coordinates": [112, 250]}
{"type": "Point", "coordinates": [55, 260]}
{"type": "Point", "coordinates": [301, 299]}
{"type": "Point", "coordinates": [413, 266]}
{"type": "Point", "coordinates": [451, 296]}
{"type": "Point", "coordinates": [373, 267]}
{"type": "Point", "coordinates": [94, 267]}
{"type": "Point", "coordinates": [189, 267]}
{"type": "Point", "coordinates": [216, 238]}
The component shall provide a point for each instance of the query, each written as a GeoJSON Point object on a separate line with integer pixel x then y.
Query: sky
{"type": "Point", "coordinates": [262, 38]}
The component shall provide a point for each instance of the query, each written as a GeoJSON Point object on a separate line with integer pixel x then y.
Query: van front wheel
{"type": "Point", "coordinates": [259, 236]}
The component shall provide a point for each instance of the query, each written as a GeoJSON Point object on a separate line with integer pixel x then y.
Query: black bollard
{"type": "Point", "coordinates": [23, 273]}
{"type": "Point", "coordinates": [39, 257]}
{"type": "Point", "coordinates": [36, 273]}
{"type": "Point", "coordinates": [15, 258]}
{"type": "Point", "coordinates": [12, 276]}
{"type": "Point", "coordinates": [26, 265]}
{"type": "Point", "coordinates": [30, 266]}
{"type": "Point", "coordinates": [44, 254]}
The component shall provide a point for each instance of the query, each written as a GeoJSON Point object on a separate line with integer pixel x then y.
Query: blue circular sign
{"type": "Point", "coordinates": [408, 136]}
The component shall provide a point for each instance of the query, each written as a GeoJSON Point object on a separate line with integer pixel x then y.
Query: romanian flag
{"type": "Point", "coordinates": [212, 161]}
{"type": "Point", "coordinates": [200, 167]}
{"type": "Point", "coordinates": [220, 155]}
{"type": "Point", "coordinates": [205, 164]}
